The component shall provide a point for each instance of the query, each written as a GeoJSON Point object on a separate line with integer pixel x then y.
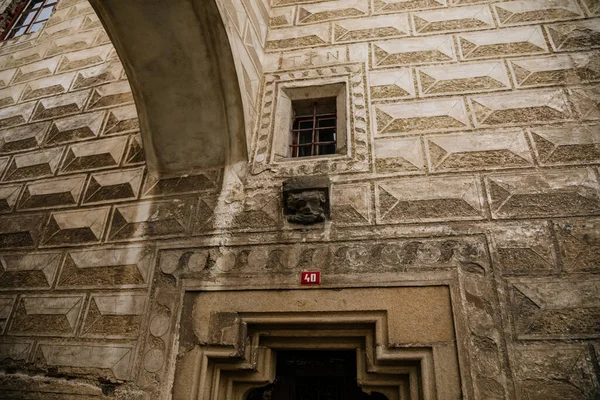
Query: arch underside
{"type": "Point", "coordinates": [180, 66]}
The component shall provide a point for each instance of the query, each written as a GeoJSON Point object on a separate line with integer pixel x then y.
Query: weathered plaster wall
{"type": "Point", "coordinates": [474, 163]}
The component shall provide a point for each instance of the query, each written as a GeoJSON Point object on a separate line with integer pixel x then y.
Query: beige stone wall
{"type": "Point", "coordinates": [69, 149]}
{"type": "Point", "coordinates": [247, 23]}
{"type": "Point", "coordinates": [473, 162]}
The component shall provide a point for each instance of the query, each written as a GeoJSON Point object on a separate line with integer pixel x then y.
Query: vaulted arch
{"type": "Point", "coordinates": [180, 66]}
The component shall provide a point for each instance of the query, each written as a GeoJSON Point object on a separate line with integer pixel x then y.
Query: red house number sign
{"type": "Point", "coordinates": [310, 278]}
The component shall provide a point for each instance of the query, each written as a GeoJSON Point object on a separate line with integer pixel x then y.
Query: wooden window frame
{"type": "Point", "coordinates": [24, 10]}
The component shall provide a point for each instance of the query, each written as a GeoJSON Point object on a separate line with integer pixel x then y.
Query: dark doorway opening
{"type": "Point", "coordinates": [314, 375]}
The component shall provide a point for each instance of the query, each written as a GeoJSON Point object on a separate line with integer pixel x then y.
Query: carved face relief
{"type": "Point", "coordinates": [306, 207]}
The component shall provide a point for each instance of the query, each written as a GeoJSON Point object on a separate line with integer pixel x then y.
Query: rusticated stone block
{"type": "Point", "coordinates": [98, 75]}
{"type": "Point", "coordinates": [3, 164]}
{"type": "Point", "coordinates": [525, 12]}
{"type": "Point", "coordinates": [574, 144]}
{"type": "Point", "coordinates": [113, 360]}
{"type": "Point", "coordinates": [26, 56]}
{"type": "Point", "coordinates": [387, 6]}
{"type": "Point", "coordinates": [38, 164]}
{"type": "Point", "coordinates": [27, 137]}
{"type": "Point", "coordinates": [113, 94]}
{"type": "Point", "coordinates": [11, 95]}
{"type": "Point", "coordinates": [16, 115]}
{"type": "Point", "coordinates": [574, 35]}
{"type": "Point", "coordinates": [99, 154]}
{"type": "Point", "coordinates": [413, 51]}
{"type": "Point", "coordinates": [6, 77]}
{"type": "Point", "coordinates": [114, 315]}
{"type": "Point", "coordinates": [481, 309]}
{"type": "Point", "coordinates": [151, 219]}
{"type": "Point", "coordinates": [101, 39]}
{"type": "Point", "coordinates": [75, 227]}
{"type": "Point", "coordinates": [423, 116]}
{"type": "Point", "coordinates": [555, 371]}
{"type": "Point", "coordinates": [28, 271]}
{"type": "Point", "coordinates": [351, 204]}
{"type": "Point", "coordinates": [46, 315]}
{"type": "Point", "coordinates": [17, 44]}
{"type": "Point", "coordinates": [429, 199]}
{"type": "Point", "coordinates": [295, 37]}
{"type": "Point", "coordinates": [523, 248]}
{"type": "Point", "coordinates": [57, 17]}
{"type": "Point", "coordinates": [59, 106]}
{"type": "Point", "coordinates": [98, 268]}
{"type": "Point", "coordinates": [69, 129]}
{"type": "Point", "coordinates": [8, 197]}
{"type": "Point", "coordinates": [280, 17]}
{"type": "Point", "coordinates": [53, 85]}
{"type": "Point", "coordinates": [66, 4]}
{"type": "Point", "coordinates": [204, 218]}
{"type": "Point", "coordinates": [121, 120]}
{"type": "Point", "coordinates": [15, 351]}
{"type": "Point", "coordinates": [556, 70]}
{"type": "Point", "coordinates": [79, 9]}
{"type": "Point", "coordinates": [324, 11]}
{"type": "Point", "coordinates": [543, 194]}
{"type": "Point", "coordinates": [6, 305]}
{"type": "Point", "coordinates": [61, 29]}
{"type": "Point", "coordinates": [36, 70]}
{"type": "Point", "coordinates": [106, 187]}
{"type": "Point", "coordinates": [462, 78]}
{"type": "Point", "coordinates": [90, 22]}
{"type": "Point", "coordinates": [70, 43]}
{"type": "Point", "coordinates": [14, 45]}
{"type": "Point", "coordinates": [538, 313]}
{"type": "Point", "coordinates": [135, 151]}
{"type": "Point", "coordinates": [452, 19]}
{"type": "Point", "coordinates": [592, 7]}
{"type": "Point", "coordinates": [399, 156]}
{"type": "Point", "coordinates": [587, 101]}
{"type": "Point", "coordinates": [52, 193]}
{"type": "Point", "coordinates": [579, 244]}
{"type": "Point", "coordinates": [85, 58]}
{"type": "Point", "coordinates": [391, 84]}
{"type": "Point", "coordinates": [502, 43]}
{"type": "Point", "coordinates": [207, 181]}
{"type": "Point", "coordinates": [261, 209]}
{"type": "Point", "coordinates": [20, 231]}
{"type": "Point", "coordinates": [383, 26]}
{"type": "Point", "coordinates": [546, 105]}
{"type": "Point", "coordinates": [477, 151]}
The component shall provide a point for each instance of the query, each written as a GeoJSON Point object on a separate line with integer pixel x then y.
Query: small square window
{"type": "Point", "coordinates": [310, 122]}
{"type": "Point", "coordinates": [313, 127]}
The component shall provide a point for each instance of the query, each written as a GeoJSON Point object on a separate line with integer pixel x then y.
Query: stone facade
{"type": "Point", "coordinates": [473, 162]}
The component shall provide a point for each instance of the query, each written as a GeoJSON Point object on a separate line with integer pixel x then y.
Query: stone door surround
{"type": "Point", "coordinates": [404, 339]}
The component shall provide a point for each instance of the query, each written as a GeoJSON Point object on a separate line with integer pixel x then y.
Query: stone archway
{"type": "Point", "coordinates": [180, 66]}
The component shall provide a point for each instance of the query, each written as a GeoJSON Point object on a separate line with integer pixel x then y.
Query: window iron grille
{"type": "Point", "coordinates": [314, 127]}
